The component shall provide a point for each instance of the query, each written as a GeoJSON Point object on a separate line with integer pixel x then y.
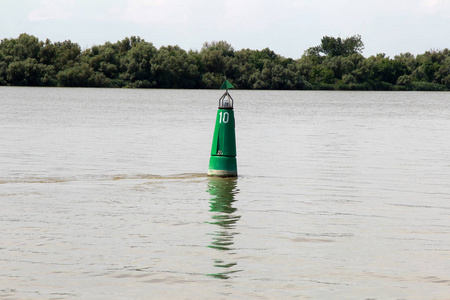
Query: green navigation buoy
{"type": "Point", "coordinates": [223, 150]}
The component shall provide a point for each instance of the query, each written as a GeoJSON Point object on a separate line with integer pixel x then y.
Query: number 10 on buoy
{"type": "Point", "coordinates": [223, 150]}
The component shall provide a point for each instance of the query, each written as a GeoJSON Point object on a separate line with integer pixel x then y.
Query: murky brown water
{"type": "Point", "coordinates": [341, 195]}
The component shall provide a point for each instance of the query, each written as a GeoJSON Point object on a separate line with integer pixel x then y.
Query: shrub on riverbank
{"type": "Point", "coordinates": [335, 64]}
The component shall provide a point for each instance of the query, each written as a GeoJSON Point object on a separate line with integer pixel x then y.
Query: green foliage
{"type": "Point", "coordinates": [172, 67]}
{"type": "Point", "coordinates": [81, 75]}
{"type": "Point", "coordinates": [30, 73]}
{"type": "Point", "coordinates": [335, 64]}
{"type": "Point", "coordinates": [331, 46]}
{"type": "Point", "coordinates": [321, 74]}
{"type": "Point", "coordinates": [427, 86]}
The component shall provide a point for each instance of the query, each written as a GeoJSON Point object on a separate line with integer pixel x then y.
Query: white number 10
{"type": "Point", "coordinates": [225, 118]}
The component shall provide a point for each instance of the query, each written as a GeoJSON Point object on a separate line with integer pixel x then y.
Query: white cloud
{"type": "Point", "coordinates": [440, 7]}
{"type": "Point", "coordinates": [160, 12]}
{"type": "Point", "coordinates": [52, 9]}
{"type": "Point", "coordinates": [433, 3]}
{"type": "Point", "coordinates": [234, 15]}
{"type": "Point", "coordinates": [287, 26]}
{"type": "Point", "coordinates": [248, 16]}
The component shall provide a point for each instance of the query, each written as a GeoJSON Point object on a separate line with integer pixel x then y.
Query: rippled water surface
{"type": "Point", "coordinates": [340, 195]}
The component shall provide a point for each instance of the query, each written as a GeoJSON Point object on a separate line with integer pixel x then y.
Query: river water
{"type": "Point", "coordinates": [340, 195]}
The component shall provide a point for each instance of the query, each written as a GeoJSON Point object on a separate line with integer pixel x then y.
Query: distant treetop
{"type": "Point", "coordinates": [331, 46]}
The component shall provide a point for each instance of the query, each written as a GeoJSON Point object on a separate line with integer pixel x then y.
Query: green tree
{"type": "Point", "coordinates": [331, 46]}
{"type": "Point", "coordinates": [81, 75]}
{"type": "Point", "coordinates": [132, 62]}
{"type": "Point", "coordinates": [104, 59]}
{"type": "Point", "coordinates": [405, 80]}
{"type": "Point", "coordinates": [217, 62]}
{"type": "Point", "coordinates": [408, 60]}
{"type": "Point", "coordinates": [245, 69]}
{"type": "Point", "coordinates": [213, 55]}
{"type": "Point", "coordinates": [321, 74]}
{"type": "Point", "coordinates": [173, 68]}
{"type": "Point", "coordinates": [387, 70]}
{"type": "Point", "coordinates": [67, 55]}
{"type": "Point", "coordinates": [275, 76]}
{"type": "Point", "coordinates": [136, 64]}
{"type": "Point", "coordinates": [426, 71]}
{"type": "Point", "coordinates": [47, 53]}
{"type": "Point", "coordinates": [29, 73]}
{"type": "Point", "coordinates": [211, 80]}
{"type": "Point", "coordinates": [25, 46]}
{"type": "Point", "coordinates": [3, 68]}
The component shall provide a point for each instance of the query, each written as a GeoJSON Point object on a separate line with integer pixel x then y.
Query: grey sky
{"type": "Point", "coordinates": [287, 27]}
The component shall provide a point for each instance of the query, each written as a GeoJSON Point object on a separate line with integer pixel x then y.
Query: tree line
{"type": "Point", "coordinates": [335, 64]}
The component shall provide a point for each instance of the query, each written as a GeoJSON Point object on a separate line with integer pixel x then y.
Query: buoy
{"type": "Point", "coordinates": [223, 150]}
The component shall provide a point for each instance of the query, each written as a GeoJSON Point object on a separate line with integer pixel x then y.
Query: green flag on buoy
{"type": "Point", "coordinates": [226, 85]}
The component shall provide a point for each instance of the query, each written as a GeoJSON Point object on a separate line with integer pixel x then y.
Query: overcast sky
{"type": "Point", "coordinates": [288, 27]}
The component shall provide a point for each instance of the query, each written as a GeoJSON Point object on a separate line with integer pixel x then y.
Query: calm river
{"type": "Point", "coordinates": [340, 195]}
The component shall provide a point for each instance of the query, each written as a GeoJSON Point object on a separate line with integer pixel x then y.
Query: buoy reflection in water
{"type": "Point", "coordinates": [224, 217]}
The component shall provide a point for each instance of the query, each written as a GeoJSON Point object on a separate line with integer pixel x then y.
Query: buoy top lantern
{"type": "Point", "coordinates": [226, 101]}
